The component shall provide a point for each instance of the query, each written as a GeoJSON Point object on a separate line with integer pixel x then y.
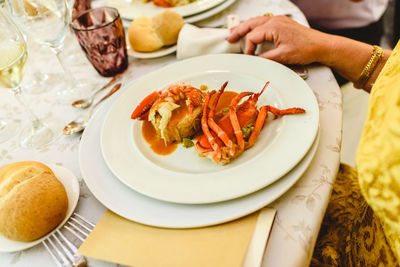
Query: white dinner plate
{"type": "Point", "coordinates": [133, 9]}
{"type": "Point", "coordinates": [208, 13]}
{"type": "Point", "coordinates": [183, 176]}
{"type": "Point", "coordinates": [136, 207]}
{"type": "Point", "coordinates": [71, 185]}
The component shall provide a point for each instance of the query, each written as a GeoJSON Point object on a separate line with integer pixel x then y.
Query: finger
{"type": "Point", "coordinates": [242, 29]}
{"type": "Point", "coordinates": [275, 55]}
{"type": "Point", "coordinates": [257, 36]}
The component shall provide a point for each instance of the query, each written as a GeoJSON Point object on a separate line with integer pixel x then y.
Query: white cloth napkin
{"type": "Point", "coordinates": [194, 41]}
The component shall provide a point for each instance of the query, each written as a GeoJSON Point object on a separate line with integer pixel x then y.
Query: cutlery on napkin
{"type": "Point", "coordinates": [238, 243]}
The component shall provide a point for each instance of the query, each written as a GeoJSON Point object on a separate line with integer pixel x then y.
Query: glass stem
{"type": "Point", "coordinates": [69, 77]}
{"type": "Point", "coordinates": [36, 122]}
{"type": "Point", "coordinates": [3, 125]}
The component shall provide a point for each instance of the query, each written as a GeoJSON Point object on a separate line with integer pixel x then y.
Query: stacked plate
{"type": "Point", "coordinates": [183, 190]}
{"type": "Point", "coordinates": [195, 11]}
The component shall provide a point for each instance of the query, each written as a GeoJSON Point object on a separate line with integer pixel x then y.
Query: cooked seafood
{"type": "Point", "coordinates": [182, 111]}
{"type": "Point", "coordinates": [175, 112]}
{"type": "Point", "coordinates": [238, 129]}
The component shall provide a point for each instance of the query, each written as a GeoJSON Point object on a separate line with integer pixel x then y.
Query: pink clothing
{"type": "Point", "coordinates": [341, 14]}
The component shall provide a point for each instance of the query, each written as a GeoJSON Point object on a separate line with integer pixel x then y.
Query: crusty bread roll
{"type": "Point", "coordinates": [32, 201]}
{"type": "Point", "coordinates": [142, 36]}
{"type": "Point", "coordinates": [149, 34]}
{"type": "Point", "coordinates": [167, 25]}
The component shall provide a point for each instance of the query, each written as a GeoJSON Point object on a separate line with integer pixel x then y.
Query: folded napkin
{"type": "Point", "coordinates": [238, 243]}
{"type": "Point", "coordinates": [194, 41]}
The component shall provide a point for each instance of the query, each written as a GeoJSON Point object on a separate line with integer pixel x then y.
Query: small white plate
{"type": "Point", "coordinates": [183, 176]}
{"type": "Point", "coordinates": [208, 13]}
{"type": "Point", "coordinates": [71, 185]}
{"type": "Point", "coordinates": [159, 53]}
{"type": "Point", "coordinates": [137, 207]}
{"type": "Point", "coordinates": [133, 9]}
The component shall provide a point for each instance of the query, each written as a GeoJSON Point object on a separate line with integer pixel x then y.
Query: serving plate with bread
{"type": "Point", "coordinates": [156, 36]}
{"type": "Point", "coordinates": [137, 8]}
{"type": "Point", "coordinates": [35, 200]}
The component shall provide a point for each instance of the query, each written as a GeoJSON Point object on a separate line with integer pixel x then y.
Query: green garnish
{"type": "Point", "coordinates": [203, 87]}
{"type": "Point", "coordinates": [246, 132]}
{"type": "Point", "coordinates": [187, 142]}
{"type": "Point", "coordinates": [225, 109]}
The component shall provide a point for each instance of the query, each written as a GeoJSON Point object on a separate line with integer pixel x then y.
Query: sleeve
{"type": "Point", "coordinates": [378, 154]}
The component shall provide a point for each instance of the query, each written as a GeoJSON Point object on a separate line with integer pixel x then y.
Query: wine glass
{"type": "Point", "coordinates": [47, 22]}
{"type": "Point", "coordinates": [13, 55]}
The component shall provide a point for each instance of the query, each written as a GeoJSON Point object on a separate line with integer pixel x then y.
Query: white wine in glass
{"type": "Point", "coordinates": [47, 22]}
{"type": "Point", "coordinates": [13, 55]}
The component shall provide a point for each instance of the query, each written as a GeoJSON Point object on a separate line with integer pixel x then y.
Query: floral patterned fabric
{"type": "Point", "coordinates": [362, 223]}
{"type": "Point", "coordinates": [351, 234]}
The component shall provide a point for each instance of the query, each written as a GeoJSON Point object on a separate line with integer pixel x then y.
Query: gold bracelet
{"type": "Point", "coordinates": [376, 56]}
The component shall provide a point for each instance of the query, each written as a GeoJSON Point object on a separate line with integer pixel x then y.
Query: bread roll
{"type": "Point", "coordinates": [32, 201]}
{"type": "Point", "coordinates": [149, 34]}
{"type": "Point", "coordinates": [142, 36]}
{"type": "Point", "coordinates": [167, 25]}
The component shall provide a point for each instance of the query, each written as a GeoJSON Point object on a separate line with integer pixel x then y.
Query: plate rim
{"type": "Point", "coordinates": [210, 12]}
{"type": "Point", "coordinates": [73, 198]}
{"type": "Point", "coordinates": [151, 10]}
{"type": "Point", "coordinates": [190, 198]}
{"type": "Point", "coordinates": [253, 201]}
{"type": "Point", "coordinates": [164, 51]}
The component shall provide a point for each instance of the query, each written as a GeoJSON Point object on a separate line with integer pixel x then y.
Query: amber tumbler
{"type": "Point", "coordinates": [101, 35]}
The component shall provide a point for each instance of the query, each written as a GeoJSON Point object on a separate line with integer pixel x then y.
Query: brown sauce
{"type": "Point", "coordinates": [158, 145]}
{"type": "Point", "coordinates": [178, 114]}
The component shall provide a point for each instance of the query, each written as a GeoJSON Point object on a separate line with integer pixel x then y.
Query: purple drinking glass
{"type": "Point", "coordinates": [80, 6]}
{"type": "Point", "coordinates": [101, 35]}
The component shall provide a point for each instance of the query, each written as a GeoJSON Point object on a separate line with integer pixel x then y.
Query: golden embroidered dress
{"type": "Point", "coordinates": [362, 223]}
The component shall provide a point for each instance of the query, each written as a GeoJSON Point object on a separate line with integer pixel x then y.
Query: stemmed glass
{"type": "Point", "coordinates": [48, 22]}
{"type": "Point", "coordinates": [13, 55]}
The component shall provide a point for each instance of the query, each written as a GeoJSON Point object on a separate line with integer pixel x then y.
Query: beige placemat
{"type": "Point", "coordinates": [119, 240]}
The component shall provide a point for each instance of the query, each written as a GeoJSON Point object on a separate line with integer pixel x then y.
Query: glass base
{"type": "Point", "coordinates": [66, 95]}
{"type": "Point", "coordinates": [37, 138]}
{"type": "Point", "coordinates": [8, 129]}
{"type": "Point", "coordinates": [42, 82]}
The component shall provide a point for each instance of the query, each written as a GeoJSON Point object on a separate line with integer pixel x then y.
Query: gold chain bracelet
{"type": "Point", "coordinates": [376, 56]}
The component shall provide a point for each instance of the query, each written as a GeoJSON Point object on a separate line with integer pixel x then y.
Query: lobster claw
{"type": "Point", "coordinates": [142, 110]}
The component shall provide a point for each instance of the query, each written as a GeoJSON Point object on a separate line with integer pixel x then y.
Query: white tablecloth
{"type": "Point", "coordinates": [300, 210]}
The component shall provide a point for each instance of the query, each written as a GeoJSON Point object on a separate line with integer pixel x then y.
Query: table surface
{"type": "Point", "coordinates": [300, 210]}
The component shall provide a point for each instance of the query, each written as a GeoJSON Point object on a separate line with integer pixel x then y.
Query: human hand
{"type": "Point", "coordinates": [294, 43]}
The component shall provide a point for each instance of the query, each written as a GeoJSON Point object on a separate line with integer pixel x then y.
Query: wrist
{"type": "Point", "coordinates": [327, 50]}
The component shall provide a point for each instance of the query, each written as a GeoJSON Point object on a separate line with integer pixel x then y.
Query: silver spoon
{"type": "Point", "coordinates": [79, 123]}
{"type": "Point", "coordinates": [86, 102]}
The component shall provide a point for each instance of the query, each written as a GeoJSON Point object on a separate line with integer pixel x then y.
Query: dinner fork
{"type": "Point", "coordinates": [63, 250]}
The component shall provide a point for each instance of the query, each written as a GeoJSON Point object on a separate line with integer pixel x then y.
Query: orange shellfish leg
{"type": "Point", "coordinates": [257, 95]}
{"type": "Point", "coordinates": [145, 105]}
{"type": "Point", "coordinates": [262, 115]}
{"type": "Point", "coordinates": [202, 149]}
{"type": "Point", "coordinates": [215, 127]}
{"type": "Point", "coordinates": [204, 126]}
{"type": "Point", "coordinates": [283, 112]}
{"type": "Point", "coordinates": [234, 119]}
